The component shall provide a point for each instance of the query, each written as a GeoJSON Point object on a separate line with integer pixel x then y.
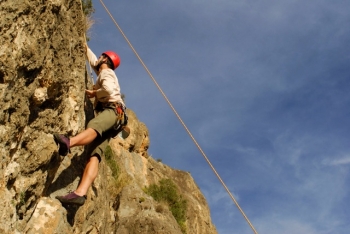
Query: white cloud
{"type": "Point", "coordinates": [277, 224]}
{"type": "Point", "coordinates": [337, 162]}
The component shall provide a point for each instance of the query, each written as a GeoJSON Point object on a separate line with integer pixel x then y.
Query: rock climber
{"type": "Point", "coordinates": [110, 117]}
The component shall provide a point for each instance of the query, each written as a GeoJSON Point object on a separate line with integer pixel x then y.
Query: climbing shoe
{"type": "Point", "coordinates": [72, 198]}
{"type": "Point", "coordinates": [63, 142]}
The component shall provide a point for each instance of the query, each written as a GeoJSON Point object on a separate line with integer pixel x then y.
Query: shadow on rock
{"type": "Point", "coordinates": [66, 178]}
{"type": "Point", "coordinates": [68, 175]}
{"type": "Point", "coordinates": [52, 170]}
{"type": "Point", "coordinates": [71, 212]}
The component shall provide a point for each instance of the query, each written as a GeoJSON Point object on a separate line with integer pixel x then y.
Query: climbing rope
{"type": "Point", "coordinates": [90, 68]}
{"type": "Point", "coordinates": [91, 76]}
{"type": "Point", "coordinates": [178, 116]}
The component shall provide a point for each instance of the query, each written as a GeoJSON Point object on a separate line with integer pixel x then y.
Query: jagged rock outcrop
{"type": "Point", "coordinates": [144, 171]}
{"type": "Point", "coordinates": [42, 83]}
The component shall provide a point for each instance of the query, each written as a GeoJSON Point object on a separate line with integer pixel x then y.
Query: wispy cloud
{"type": "Point", "coordinates": [337, 162]}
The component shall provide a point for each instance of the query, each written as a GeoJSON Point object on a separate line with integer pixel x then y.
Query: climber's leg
{"type": "Point", "coordinates": [103, 122]}
{"type": "Point", "coordinates": [89, 175]}
{"type": "Point", "coordinates": [78, 197]}
{"type": "Point", "coordinates": [96, 127]}
{"type": "Point", "coordinates": [83, 138]}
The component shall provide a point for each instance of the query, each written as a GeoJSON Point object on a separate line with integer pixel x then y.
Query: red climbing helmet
{"type": "Point", "coordinates": [113, 57]}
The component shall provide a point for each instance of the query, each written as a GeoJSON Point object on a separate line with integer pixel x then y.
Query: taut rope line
{"type": "Point", "coordinates": [84, 17]}
{"type": "Point", "coordinates": [178, 116]}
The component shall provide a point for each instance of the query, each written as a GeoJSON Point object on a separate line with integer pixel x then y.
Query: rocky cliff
{"type": "Point", "coordinates": [42, 83]}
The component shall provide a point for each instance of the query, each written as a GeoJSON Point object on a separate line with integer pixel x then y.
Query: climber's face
{"type": "Point", "coordinates": [101, 60]}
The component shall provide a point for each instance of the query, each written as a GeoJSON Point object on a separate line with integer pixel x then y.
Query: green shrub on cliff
{"type": "Point", "coordinates": [167, 192]}
{"type": "Point", "coordinates": [87, 7]}
{"type": "Point", "coordinates": [111, 162]}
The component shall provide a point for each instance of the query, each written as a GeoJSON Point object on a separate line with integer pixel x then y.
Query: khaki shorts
{"type": "Point", "coordinates": [103, 124]}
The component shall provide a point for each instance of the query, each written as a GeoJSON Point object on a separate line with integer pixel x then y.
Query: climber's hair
{"type": "Point", "coordinates": [109, 62]}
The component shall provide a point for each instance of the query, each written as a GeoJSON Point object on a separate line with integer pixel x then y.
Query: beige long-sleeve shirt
{"type": "Point", "coordinates": [107, 85]}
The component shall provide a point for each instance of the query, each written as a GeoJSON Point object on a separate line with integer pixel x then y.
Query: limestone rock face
{"type": "Point", "coordinates": [42, 83]}
{"type": "Point", "coordinates": [42, 48]}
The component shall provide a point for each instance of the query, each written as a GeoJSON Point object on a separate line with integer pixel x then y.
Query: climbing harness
{"type": "Point", "coordinates": [121, 119]}
{"type": "Point", "coordinates": [120, 113]}
{"type": "Point", "coordinates": [178, 116]}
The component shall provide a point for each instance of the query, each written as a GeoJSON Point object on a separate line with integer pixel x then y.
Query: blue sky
{"type": "Point", "coordinates": [264, 88]}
